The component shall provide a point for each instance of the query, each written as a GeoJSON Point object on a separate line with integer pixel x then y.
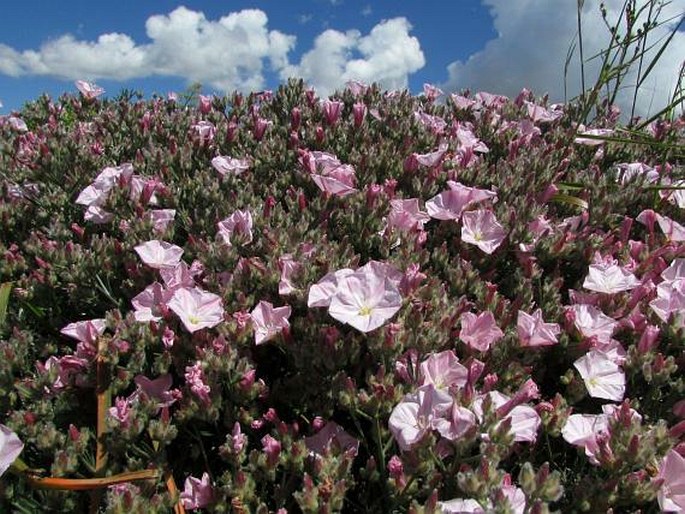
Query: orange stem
{"type": "Point", "coordinates": [173, 491]}
{"type": "Point", "coordinates": [88, 484]}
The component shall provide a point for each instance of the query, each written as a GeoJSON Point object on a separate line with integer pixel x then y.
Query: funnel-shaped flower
{"type": "Point", "coordinates": [10, 448]}
{"type": "Point", "coordinates": [482, 229]}
{"type": "Point", "coordinates": [197, 309]}
{"type": "Point", "coordinates": [159, 254]}
{"type": "Point", "coordinates": [269, 322]}
{"type": "Point", "coordinates": [365, 299]}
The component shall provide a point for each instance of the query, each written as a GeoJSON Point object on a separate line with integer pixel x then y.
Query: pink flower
{"type": "Point", "coordinates": [582, 430]}
{"type": "Point", "coordinates": [86, 331]}
{"type": "Point", "coordinates": [205, 103]}
{"type": "Point", "coordinates": [10, 448]}
{"type": "Point", "coordinates": [97, 192]}
{"type": "Point", "coordinates": [17, 124]}
{"type": "Point", "coordinates": [238, 223]}
{"type": "Point", "coordinates": [450, 204]}
{"type": "Point", "coordinates": [461, 420]}
{"type": "Point", "coordinates": [525, 422]}
{"type": "Point", "coordinates": [603, 378]}
{"type": "Point", "coordinates": [272, 449]}
{"type": "Point", "coordinates": [481, 229]}
{"type": "Point", "coordinates": [121, 411]}
{"type": "Point", "coordinates": [673, 230]}
{"type": "Point", "coordinates": [406, 216]}
{"type": "Point", "coordinates": [596, 136]}
{"type": "Point", "coordinates": [460, 506]}
{"type": "Point", "coordinates": [97, 215]}
{"type": "Point", "coordinates": [591, 322]}
{"type": "Point", "coordinates": [671, 495]}
{"type": "Point", "coordinates": [197, 493]}
{"type": "Point", "coordinates": [149, 305]}
{"type": "Point", "coordinates": [161, 218]}
{"type": "Point", "coordinates": [331, 434]}
{"type": "Point", "coordinates": [159, 254]}
{"type": "Point", "coordinates": [443, 370]}
{"type": "Point", "coordinates": [609, 278]}
{"type": "Point", "coordinates": [196, 381]}
{"type": "Point", "coordinates": [541, 115]}
{"type": "Point", "coordinates": [359, 111]}
{"type": "Point", "coordinates": [365, 299]}
{"type": "Point", "coordinates": [204, 130]}
{"type": "Point", "coordinates": [88, 89]}
{"type": "Point", "coordinates": [230, 165]}
{"type": "Point", "coordinates": [157, 389]}
{"type": "Point", "coordinates": [321, 293]}
{"type": "Point", "coordinates": [332, 110]}
{"type": "Point", "coordinates": [533, 331]}
{"type": "Point", "coordinates": [289, 267]}
{"type": "Point", "coordinates": [431, 159]}
{"type": "Point", "coordinates": [179, 276]}
{"type": "Point", "coordinates": [479, 331]}
{"type": "Point", "coordinates": [196, 308]}
{"type": "Point", "coordinates": [338, 181]}
{"type": "Point", "coordinates": [269, 322]}
{"type": "Point", "coordinates": [411, 419]}
{"type": "Point", "coordinates": [468, 141]}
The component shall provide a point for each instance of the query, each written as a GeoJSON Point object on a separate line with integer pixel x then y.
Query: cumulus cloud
{"type": "Point", "coordinates": [229, 53]}
{"type": "Point", "coordinates": [533, 39]}
{"type": "Point", "coordinates": [387, 55]}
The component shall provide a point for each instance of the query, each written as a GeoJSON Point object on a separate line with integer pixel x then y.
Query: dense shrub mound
{"type": "Point", "coordinates": [375, 302]}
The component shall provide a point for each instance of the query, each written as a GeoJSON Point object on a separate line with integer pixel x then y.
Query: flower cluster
{"type": "Point", "coordinates": [371, 302]}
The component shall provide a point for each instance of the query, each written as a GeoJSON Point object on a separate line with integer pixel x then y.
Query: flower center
{"type": "Point", "coordinates": [194, 320]}
{"type": "Point", "coordinates": [365, 310]}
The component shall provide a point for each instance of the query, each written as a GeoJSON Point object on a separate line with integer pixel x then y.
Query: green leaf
{"type": "Point", "coordinates": [570, 200]}
{"type": "Point", "coordinates": [5, 289]}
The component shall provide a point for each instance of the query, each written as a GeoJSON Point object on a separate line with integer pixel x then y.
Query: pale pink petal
{"type": "Point", "coordinates": [159, 254]}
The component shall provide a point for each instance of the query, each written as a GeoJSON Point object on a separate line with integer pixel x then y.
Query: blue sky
{"type": "Point", "coordinates": [161, 45]}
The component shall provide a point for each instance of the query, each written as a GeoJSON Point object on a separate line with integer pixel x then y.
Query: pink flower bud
{"type": "Point", "coordinates": [395, 467]}
{"type": "Point", "coordinates": [649, 339]}
{"type": "Point", "coordinates": [359, 113]}
{"type": "Point", "coordinates": [272, 449]}
{"type": "Point", "coordinates": [331, 111]}
{"type": "Point", "coordinates": [205, 104]}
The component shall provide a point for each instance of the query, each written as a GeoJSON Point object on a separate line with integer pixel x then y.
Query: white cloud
{"type": "Point", "coordinates": [387, 55]}
{"type": "Point", "coordinates": [227, 53]}
{"type": "Point", "coordinates": [530, 50]}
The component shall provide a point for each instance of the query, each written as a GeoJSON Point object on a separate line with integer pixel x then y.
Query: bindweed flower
{"type": "Point", "coordinates": [150, 304]}
{"type": "Point", "coordinates": [533, 331]}
{"type": "Point", "coordinates": [225, 165]}
{"type": "Point", "coordinates": [238, 223]}
{"type": "Point", "coordinates": [609, 279]}
{"type": "Point", "coordinates": [482, 229]}
{"type": "Point", "coordinates": [479, 331]}
{"type": "Point", "coordinates": [159, 254]}
{"type": "Point", "coordinates": [450, 204]}
{"type": "Point", "coordinates": [412, 418]}
{"type": "Point", "coordinates": [197, 492]}
{"type": "Point", "coordinates": [10, 448]}
{"type": "Point", "coordinates": [331, 435]}
{"type": "Point", "coordinates": [365, 300]}
{"type": "Point", "coordinates": [603, 377]}
{"type": "Point", "coordinates": [671, 495]}
{"type": "Point", "coordinates": [269, 322]}
{"type": "Point", "coordinates": [196, 308]}
{"type": "Point", "coordinates": [592, 322]}
{"type": "Point", "coordinates": [443, 371]}
{"type": "Point", "coordinates": [89, 90]}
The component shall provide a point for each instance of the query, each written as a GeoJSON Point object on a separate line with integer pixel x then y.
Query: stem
{"type": "Point", "coordinates": [89, 484]}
